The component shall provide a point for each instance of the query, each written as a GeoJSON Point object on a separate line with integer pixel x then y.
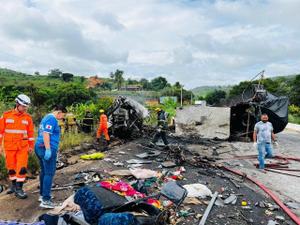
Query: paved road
{"type": "Point", "coordinates": [286, 187]}
{"type": "Point", "coordinates": [289, 142]}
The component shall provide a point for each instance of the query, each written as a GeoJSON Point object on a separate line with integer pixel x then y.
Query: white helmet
{"type": "Point", "coordinates": [23, 100]}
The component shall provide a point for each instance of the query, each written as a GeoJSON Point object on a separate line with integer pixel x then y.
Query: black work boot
{"type": "Point", "coordinates": [12, 188]}
{"type": "Point", "coordinates": [19, 191]}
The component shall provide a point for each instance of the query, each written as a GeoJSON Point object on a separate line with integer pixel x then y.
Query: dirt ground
{"type": "Point", "coordinates": [28, 210]}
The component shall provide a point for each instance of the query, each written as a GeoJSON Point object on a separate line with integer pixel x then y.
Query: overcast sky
{"type": "Point", "coordinates": [196, 42]}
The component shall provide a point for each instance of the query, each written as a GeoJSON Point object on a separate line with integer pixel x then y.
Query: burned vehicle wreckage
{"type": "Point", "coordinates": [247, 108]}
{"type": "Point", "coordinates": [126, 117]}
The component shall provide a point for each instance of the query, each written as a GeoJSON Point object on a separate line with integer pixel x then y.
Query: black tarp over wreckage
{"type": "Point", "coordinates": [247, 108]}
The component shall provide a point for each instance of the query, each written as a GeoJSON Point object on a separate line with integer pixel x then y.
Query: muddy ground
{"type": "Point", "coordinates": [28, 210]}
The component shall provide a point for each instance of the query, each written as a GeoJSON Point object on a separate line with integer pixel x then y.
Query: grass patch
{"type": "Point", "coordinates": [69, 140]}
{"type": "Point", "coordinates": [294, 119]}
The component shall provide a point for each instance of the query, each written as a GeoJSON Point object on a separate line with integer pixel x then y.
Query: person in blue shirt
{"type": "Point", "coordinates": [46, 148]}
{"type": "Point", "coordinates": [262, 137]}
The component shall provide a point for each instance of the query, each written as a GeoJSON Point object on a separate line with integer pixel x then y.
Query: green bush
{"type": "Point", "coordinates": [3, 170]}
{"type": "Point", "coordinates": [169, 106]}
{"type": "Point", "coordinates": [294, 119]}
{"type": "Point", "coordinates": [80, 109]}
{"type": "Point", "coordinates": [294, 110]}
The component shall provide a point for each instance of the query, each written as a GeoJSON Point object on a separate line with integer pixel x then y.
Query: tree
{"type": "Point", "coordinates": [177, 85]}
{"type": "Point", "coordinates": [67, 77]}
{"type": "Point", "coordinates": [132, 81]}
{"type": "Point", "coordinates": [215, 97]}
{"type": "Point", "coordinates": [36, 73]}
{"type": "Point", "coordinates": [73, 93]}
{"type": "Point", "coordinates": [145, 84]}
{"type": "Point", "coordinates": [55, 73]}
{"type": "Point", "coordinates": [106, 86]}
{"type": "Point", "coordinates": [295, 97]}
{"type": "Point", "coordinates": [118, 78]}
{"type": "Point", "coordinates": [159, 83]}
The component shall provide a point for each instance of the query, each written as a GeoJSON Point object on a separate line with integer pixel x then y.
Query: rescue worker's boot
{"type": "Point", "coordinates": [106, 146]}
{"type": "Point", "coordinates": [12, 188]}
{"type": "Point", "coordinates": [19, 191]}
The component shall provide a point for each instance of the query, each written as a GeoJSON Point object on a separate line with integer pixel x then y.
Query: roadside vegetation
{"type": "Point", "coordinates": [281, 86]}
{"type": "Point", "coordinates": [78, 96]}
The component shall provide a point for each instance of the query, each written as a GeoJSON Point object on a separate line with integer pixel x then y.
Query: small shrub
{"type": "Point", "coordinates": [294, 119]}
{"type": "Point", "coordinates": [3, 170]}
{"type": "Point", "coordinates": [294, 110]}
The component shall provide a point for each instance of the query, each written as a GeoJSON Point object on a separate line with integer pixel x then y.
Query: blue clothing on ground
{"type": "Point", "coordinates": [48, 168]}
{"type": "Point", "coordinates": [264, 151]}
{"type": "Point", "coordinates": [50, 125]}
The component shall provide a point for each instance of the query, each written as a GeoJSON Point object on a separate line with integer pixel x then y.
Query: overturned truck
{"type": "Point", "coordinates": [235, 121]}
{"type": "Point", "coordinates": [247, 108]}
{"type": "Point", "coordinates": [126, 117]}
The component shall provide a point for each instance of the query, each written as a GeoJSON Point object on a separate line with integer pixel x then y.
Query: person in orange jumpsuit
{"type": "Point", "coordinates": [17, 135]}
{"type": "Point", "coordinates": [103, 127]}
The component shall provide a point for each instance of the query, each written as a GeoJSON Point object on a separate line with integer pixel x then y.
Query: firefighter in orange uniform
{"type": "Point", "coordinates": [17, 134]}
{"type": "Point", "coordinates": [103, 127]}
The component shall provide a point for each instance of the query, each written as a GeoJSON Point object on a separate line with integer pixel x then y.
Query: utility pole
{"type": "Point", "coordinates": [191, 98]}
{"type": "Point", "coordinates": [181, 96]}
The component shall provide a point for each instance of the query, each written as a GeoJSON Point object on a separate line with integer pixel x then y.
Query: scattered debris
{"type": "Point", "coordinates": [293, 205]}
{"type": "Point", "coordinates": [94, 156]}
{"type": "Point", "coordinates": [149, 154]}
{"type": "Point", "coordinates": [197, 190]}
{"type": "Point", "coordinates": [143, 173]}
{"type": "Point", "coordinates": [208, 209]}
{"type": "Point", "coordinates": [168, 164]}
{"type": "Point", "coordinates": [138, 161]}
{"type": "Point", "coordinates": [272, 222]}
{"type": "Point", "coordinates": [219, 202]}
{"type": "Point", "coordinates": [120, 173]}
{"type": "Point", "coordinates": [231, 200]}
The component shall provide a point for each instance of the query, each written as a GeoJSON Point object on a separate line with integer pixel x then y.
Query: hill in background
{"type": "Point", "coordinates": [204, 90]}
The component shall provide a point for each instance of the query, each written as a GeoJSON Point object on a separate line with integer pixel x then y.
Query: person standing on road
{"type": "Point", "coordinates": [17, 131]}
{"type": "Point", "coordinates": [46, 148]}
{"type": "Point", "coordinates": [162, 126]}
{"type": "Point", "coordinates": [103, 127]}
{"type": "Point", "coordinates": [262, 137]}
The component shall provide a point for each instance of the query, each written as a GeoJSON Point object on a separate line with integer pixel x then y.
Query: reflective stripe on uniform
{"type": "Point", "coordinates": [30, 139]}
{"type": "Point", "coordinates": [25, 122]}
{"type": "Point", "coordinates": [9, 121]}
{"type": "Point", "coordinates": [1, 135]}
{"type": "Point", "coordinates": [13, 131]}
{"type": "Point", "coordinates": [12, 177]}
{"type": "Point", "coordinates": [21, 179]}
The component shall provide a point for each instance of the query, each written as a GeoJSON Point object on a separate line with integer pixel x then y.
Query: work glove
{"type": "Point", "coordinates": [255, 145]}
{"type": "Point", "coordinates": [48, 154]}
{"type": "Point", "coordinates": [276, 143]}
